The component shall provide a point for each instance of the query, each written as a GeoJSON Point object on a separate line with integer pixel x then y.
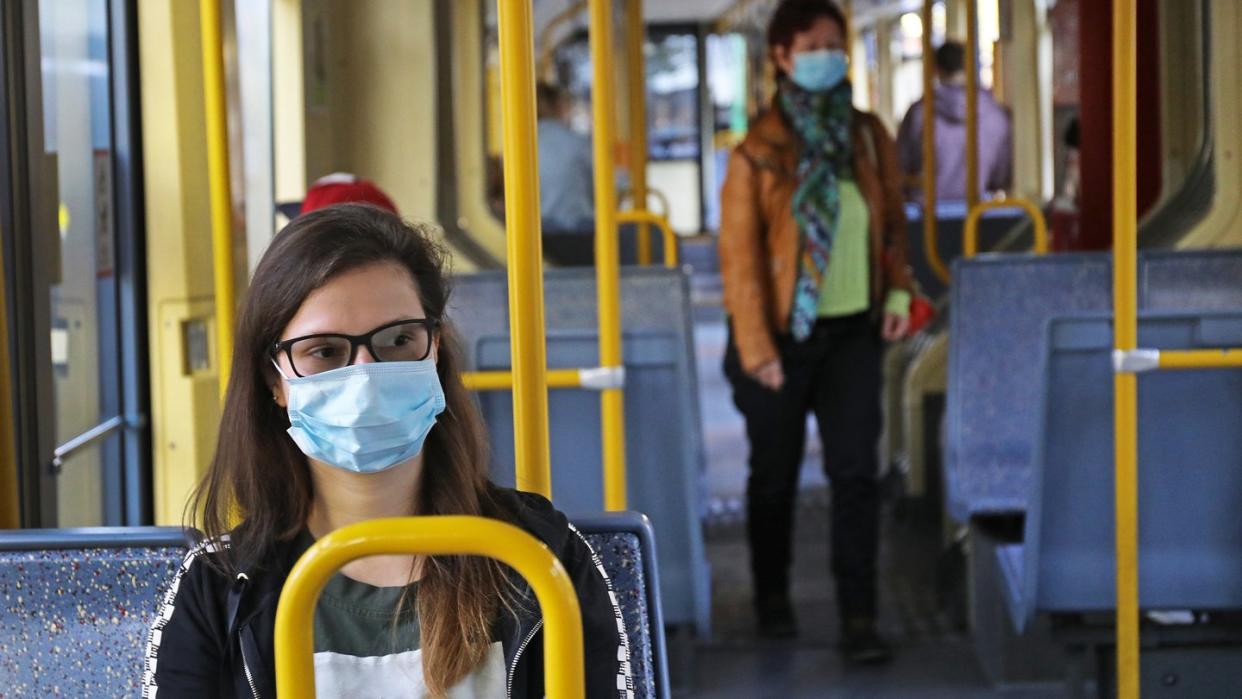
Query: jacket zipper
{"type": "Point", "coordinates": [513, 668]}
{"type": "Point", "coordinates": [249, 678]}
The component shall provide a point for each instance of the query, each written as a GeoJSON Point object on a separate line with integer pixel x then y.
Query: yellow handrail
{"type": "Point", "coordinates": [591, 378]}
{"type": "Point", "coordinates": [666, 229]}
{"type": "Point", "coordinates": [930, 248]}
{"type": "Point", "coordinates": [661, 198]}
{"type": "Point", "coordinates": [546, 48]}
{"type": "Point", "coordinates": [218, 172]}
{"type": "Point", "coordinates": [607, 256]}
{"type": "Point", "coordinates": [1125, 337]}
{"type": "Point", "coordinates": [1201, 359]}
{"type": "Point", "coordinates": [636, 73]}
{"type": "Point", "coordinates": [972, 105]}
{"type": "Point", "coordinates": [525, 248]}
{"type": "Point", "coordinates": [970, 231]}
{"type": "Point", "coordinates": [503, 380]}
{"type": "Point", "coordinates": [433, 536]}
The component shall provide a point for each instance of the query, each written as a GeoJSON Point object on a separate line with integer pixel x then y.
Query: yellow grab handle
{"type": "Point", "coordinates": [433, 536]}
{"type": "Point", "coordinates": [670, 238]}
{"type": "Point", "coordinates": [970, 232]}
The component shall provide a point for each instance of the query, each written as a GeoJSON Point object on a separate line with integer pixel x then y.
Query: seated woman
{"type": "Point", "coordinates": [346, 404]}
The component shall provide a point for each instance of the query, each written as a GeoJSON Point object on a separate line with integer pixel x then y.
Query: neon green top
{"type": "Point", "coordinates": [844, 290]}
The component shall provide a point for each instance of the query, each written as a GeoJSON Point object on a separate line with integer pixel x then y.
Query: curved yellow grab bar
{"type": "Point", "coordinates": [547, 49]}
{"type": "Point", "coordinates": [670, 238]}
{"type": "Point", "coordinates": [970, 232]}
{"type": "Point", "coordinates": [443, 535]}
{"type": "Point", "coordinates": [218, 177]}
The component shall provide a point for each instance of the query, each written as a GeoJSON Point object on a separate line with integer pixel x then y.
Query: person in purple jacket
{"type": "Point", "coordinates": [995, 135]}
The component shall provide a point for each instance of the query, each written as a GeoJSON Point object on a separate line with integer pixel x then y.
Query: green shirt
{"type": "Point", "coordinates": [355, 618]}
{"type": "Point", "coordinates": [360, 652]}
{"type": "Point", "coordinates": [845, 288]}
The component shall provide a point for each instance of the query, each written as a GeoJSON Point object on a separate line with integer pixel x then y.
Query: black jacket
{"type": "Point", "coordinates": [214, 637]}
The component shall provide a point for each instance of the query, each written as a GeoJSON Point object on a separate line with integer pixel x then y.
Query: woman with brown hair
{"type": "Point", "coordinates": [345, 404]}
{"type": "Point", "coordinates": [813, 260]}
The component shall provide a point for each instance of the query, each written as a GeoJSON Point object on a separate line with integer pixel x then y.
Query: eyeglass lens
{"type": "Point", "coordinates": [399, 343]}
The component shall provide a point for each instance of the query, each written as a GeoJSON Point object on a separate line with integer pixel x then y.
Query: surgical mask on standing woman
{"type": "Point", "coordinates": [365, 418]}
{"type": "Point", "coordinates": [816, 71]}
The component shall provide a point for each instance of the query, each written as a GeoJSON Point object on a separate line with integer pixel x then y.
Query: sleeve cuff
{"type": "Point", "coordinates": [898, 303]}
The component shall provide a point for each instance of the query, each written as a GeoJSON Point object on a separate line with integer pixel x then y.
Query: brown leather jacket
{"type": "Point", "coordinates": [759, 239]}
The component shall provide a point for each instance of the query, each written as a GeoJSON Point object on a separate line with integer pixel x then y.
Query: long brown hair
{"type": "Point", "coordinates": [259, 475]}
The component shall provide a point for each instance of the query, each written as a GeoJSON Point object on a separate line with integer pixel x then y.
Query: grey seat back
{"type": "Point", "coordinates": [1000, 306]}
{"type": "Point", "coordinates": [664, 451]}
{"type": "Point", "coordinates": [1190, 483]}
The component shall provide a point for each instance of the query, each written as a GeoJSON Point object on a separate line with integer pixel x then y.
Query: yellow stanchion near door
{"type": "Point", "coordinates": [218, 172]}
{"type": "Point", "coordinates": [607, 256]}
{"type": "Point", "coordinates": [433, 536]}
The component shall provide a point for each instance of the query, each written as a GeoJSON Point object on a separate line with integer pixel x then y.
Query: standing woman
{"type": "Point", "coordinates": [813, 260]}
{"type": "Point", "coordinates": [346, 404]}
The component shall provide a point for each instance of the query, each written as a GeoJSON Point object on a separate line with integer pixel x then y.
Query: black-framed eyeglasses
{"type": "Point", "coordinates": [400, 341]}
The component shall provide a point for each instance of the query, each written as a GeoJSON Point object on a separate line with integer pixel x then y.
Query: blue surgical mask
{"type": "Point", "coordinates": [365, 418]}
{"type": "Point", "coordinates": [816, 71]}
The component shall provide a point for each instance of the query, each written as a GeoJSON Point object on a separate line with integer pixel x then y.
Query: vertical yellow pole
{"type": "Point", "coordinates": [929, 150]}
{"type": "Point", "coordinates": [972, 104]}
{"type": "Point", "coordinates": [607, 255]}
{"type": "Point", "coordinates": [1125, 331]}
{"type": "Point", "coordinates": [635, 40]}
{"type": "Point", "coordinates": [525, 248]}
{"type": "Point", "coordinates": [218, 172]}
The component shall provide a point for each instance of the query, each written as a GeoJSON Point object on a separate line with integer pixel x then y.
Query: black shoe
{"type": "Point", "coordinates": [776, 617]}
{"type": "Point", "coordinates": [862, 645]}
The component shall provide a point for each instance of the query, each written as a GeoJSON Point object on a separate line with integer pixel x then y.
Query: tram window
{"type": "Point", "coordinates": [84, 323]}
{"type": "Point", "coordinates": [729, 90]}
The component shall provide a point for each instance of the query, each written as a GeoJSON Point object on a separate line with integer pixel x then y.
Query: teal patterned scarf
{"type": "Point", "coordinates": [822, 120]}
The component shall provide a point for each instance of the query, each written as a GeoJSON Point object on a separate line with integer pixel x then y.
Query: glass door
{"type": "Point", "coordinates": [83, 450]}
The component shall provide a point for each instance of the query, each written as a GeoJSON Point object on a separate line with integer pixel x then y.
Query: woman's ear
{"type": "Point", "coordinates": [435, 348]}
{"type": "Point", "coordinates": [278, 394]}
{"type": "Point", "coordinates": [782, 59]}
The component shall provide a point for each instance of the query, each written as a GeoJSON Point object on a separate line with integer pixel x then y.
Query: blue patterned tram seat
{"type": "Point", "coordinates": [76, 604]}
{"type": "Point", "coordinates": [625, 543]}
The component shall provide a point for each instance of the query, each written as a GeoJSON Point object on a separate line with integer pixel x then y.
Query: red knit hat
{"type": "Point", "coordinates": [344, 188]}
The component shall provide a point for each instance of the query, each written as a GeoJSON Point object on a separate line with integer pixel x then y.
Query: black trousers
{"type": "Point", "coordinates": [836, 373]}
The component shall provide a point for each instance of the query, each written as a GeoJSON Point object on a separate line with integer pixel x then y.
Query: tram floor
{"type": "Point", "coordinates": [921, 587]}
{"type": "Point", "coordinates": [934, 657]}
